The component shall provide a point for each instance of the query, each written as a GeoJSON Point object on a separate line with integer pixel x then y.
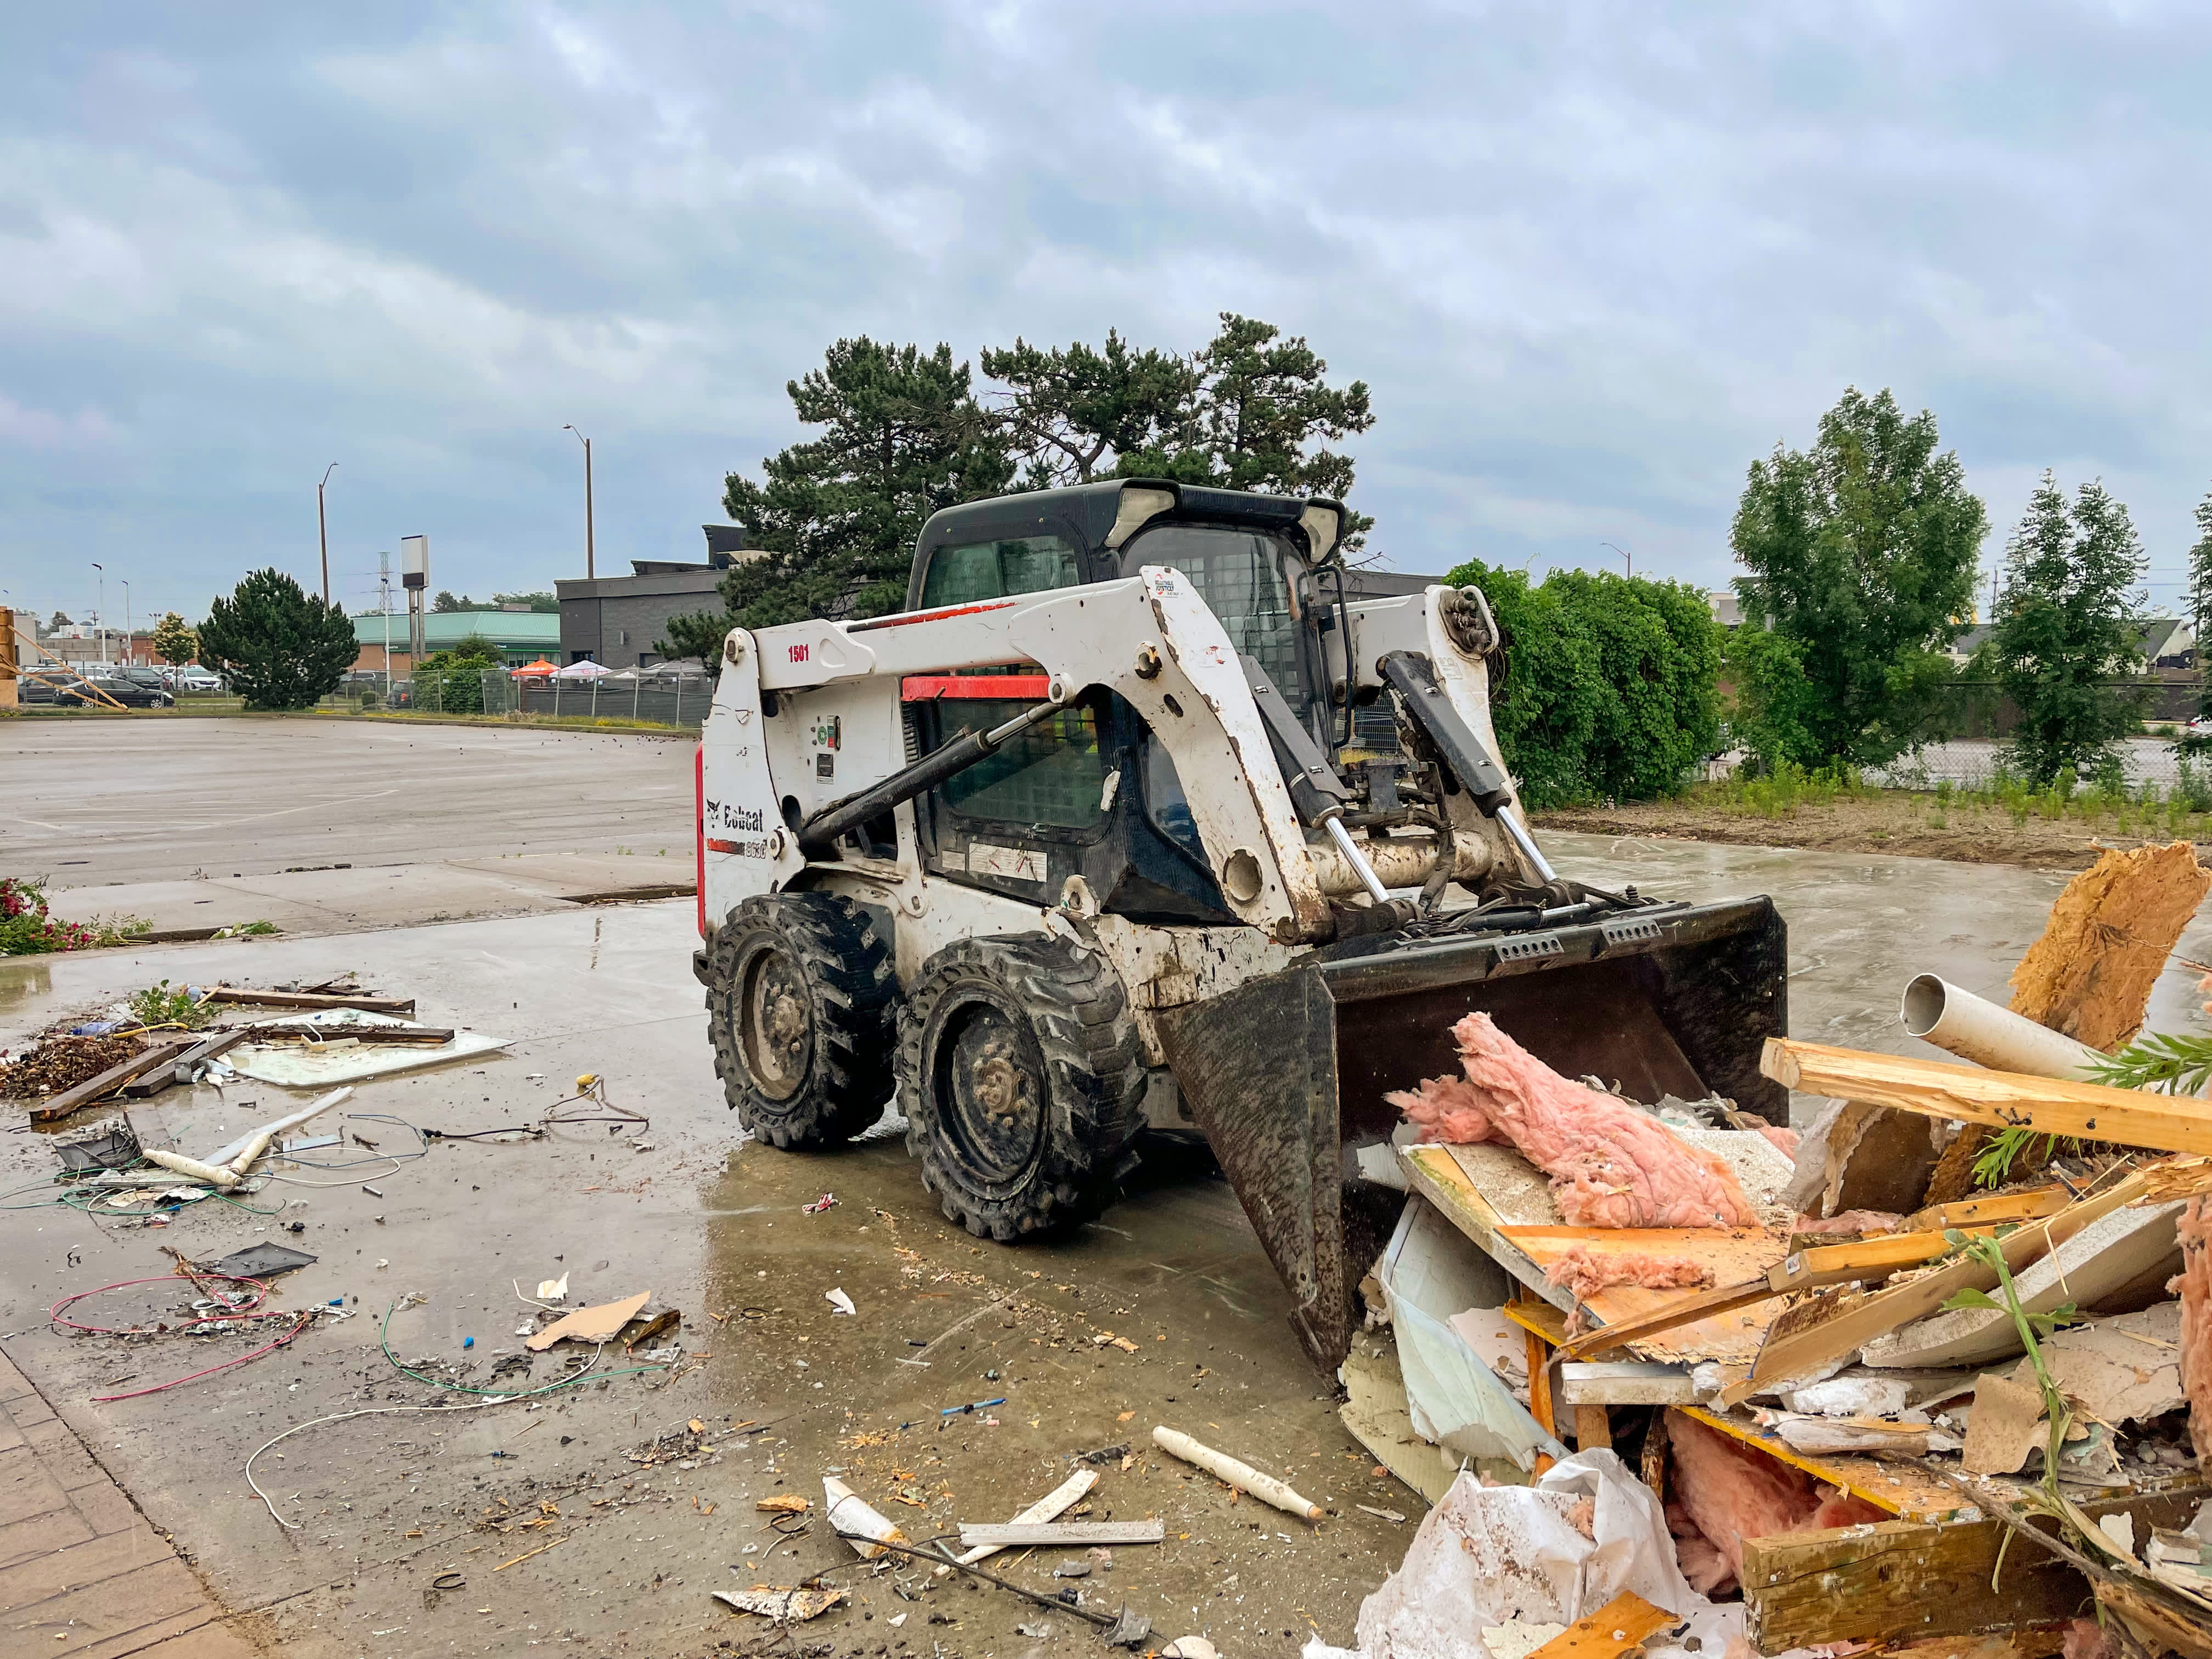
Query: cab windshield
{"type": "Point", "coordinates": [1247, 579]}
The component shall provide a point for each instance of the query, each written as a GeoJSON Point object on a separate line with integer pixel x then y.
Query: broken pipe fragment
{"type": "Point", "coordinates": [1242, 1476]}
{"type": "Point", "coordinates": [855, 1523]}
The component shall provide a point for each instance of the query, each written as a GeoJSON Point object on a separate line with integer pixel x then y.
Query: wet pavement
{"type": "Point", "coordinates": [596, 1519]}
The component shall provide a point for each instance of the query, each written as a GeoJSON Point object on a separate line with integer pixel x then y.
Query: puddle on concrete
{"type": "Point", "coordinates": [24, 981]}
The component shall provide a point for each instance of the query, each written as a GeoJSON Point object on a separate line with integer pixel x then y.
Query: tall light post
{"type": "Point", "coordinates": [1624, 559]}
{"type": "Point", "coordinates": [99, 612]}
{"type": "Point", "coordinates": [323, 530]}
{"type": "Point", "coordinates": [129, 655]}
{"type": "Point", "coordinates": [586, 442]}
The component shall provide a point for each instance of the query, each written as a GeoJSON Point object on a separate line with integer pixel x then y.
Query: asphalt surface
{"type": "Point", "coordinates": [92, 802]}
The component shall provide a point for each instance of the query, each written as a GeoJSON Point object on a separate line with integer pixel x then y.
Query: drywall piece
{"type": "Point", "coordinates": [1859, 1157]}
{"type": "Point", "coordinates": [2006, 1427]}
{"type": "Point", "coordinates": [1498, 1343]}
{"type": "Point", "coordinates": [1374, 1414]}
{"type": "Point", "coordinates": [2116, 1264]}
{"type": "Point", "coordinates": [1850, 1396]}
{"type": "Point", "coordinates": [1624, 1383]}
{"type": "Point", "coordinates": [2110, 932]}
{"type": "Point", "coordinates": [600, 1324]}
{"type": "Point", "coordinates": [2121, 1370]}
{"type": "Point", "coordinates": [1429, 1272]}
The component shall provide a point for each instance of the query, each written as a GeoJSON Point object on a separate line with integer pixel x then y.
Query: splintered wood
{"type": "Point", "coordinates": [2090, 975]}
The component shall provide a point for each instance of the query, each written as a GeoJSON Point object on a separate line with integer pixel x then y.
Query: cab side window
{"type": "Point", "coordinates": [993, 570]}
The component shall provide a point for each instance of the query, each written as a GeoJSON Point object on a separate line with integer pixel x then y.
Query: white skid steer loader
{"type": "Point", "coordinates": [1131, 820]}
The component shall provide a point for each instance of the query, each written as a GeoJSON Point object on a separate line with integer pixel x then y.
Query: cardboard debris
{"type": "Point", "coordinates": [1377, 1415]}
{"type": "Point", "coordinates": [600, 1324]}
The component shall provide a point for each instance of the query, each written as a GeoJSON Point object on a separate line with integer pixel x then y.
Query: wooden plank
{"type": "Point", "coordinates": [1898, 1581]}
{"type": "Point", "coordinates": [1736, 1257]}
{"type": "Point", "coordinates": [1684, 1311]}
{"type": "Point", "coordinates": [204, 1049]}
{"type": "Point", "coordinates": [1060, 1534]}
{"type": "Point", "coordinates": [310, 999]}
{"type": "Point", "coordinates": [1803, 1352]}
{"type": "Point", "coordinates": [1538, 1318]}
{"type": "Point", "coordinates": [1865, 1259]}
{"type": "Point", "coordinates": [1592, 1427]}
{"type": "Point", "coordinates": [428, 1036]}
{"type": "Point", "coordinates": [92, 1088]}
{"type": "Point", "coordinates": [2003, 1100]}
{"type": "Point", "coordinates": [1993, 1211]}
{"type": "Point", "coordinates": [1439, 1179]}
{"type": "Point", "coordinates": [1621, 1625]}
{"type": "Point", "coordinates": [1903, 1489]}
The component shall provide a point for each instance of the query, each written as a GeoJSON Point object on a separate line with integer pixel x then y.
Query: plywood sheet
{"type": "Point", "coordinates": [1734, 1255]}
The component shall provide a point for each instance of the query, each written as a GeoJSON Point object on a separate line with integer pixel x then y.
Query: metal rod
{"type": "Point", "coordinates": [1511, 820]}
{"type": "Point", "coordinates": [1334, 825]}
{"type": "Point", "coordinates": [932, 769]}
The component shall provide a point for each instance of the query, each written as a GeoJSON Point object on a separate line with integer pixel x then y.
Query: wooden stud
{"type": "Point", "coordinates": [310, 999]}
{"type": "Point", "coordinates": [1621, 1625]}
{"type": "Point", "coordinates": [1592, 1427]}
{"type": "Point", "coordinates": [2003, 1100]}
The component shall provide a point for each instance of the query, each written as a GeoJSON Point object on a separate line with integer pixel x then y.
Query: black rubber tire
{"type": "Point", "coordinates": [817, 961]}
{"type": "Point", "coordinates": [1047, 1026]}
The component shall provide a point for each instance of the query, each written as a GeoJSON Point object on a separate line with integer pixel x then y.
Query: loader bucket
{"type": "Point", "coordinates": [1286, 1075]}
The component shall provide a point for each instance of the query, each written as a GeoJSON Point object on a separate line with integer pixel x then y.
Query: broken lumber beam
{"type": "Point", "coordinates": [1622, 1625]}
{"type": "Point", "coordinates": [92, 1088]}
{"type": "Point", "coordinates": [2003, 1100]}
{"type": "Point", "coordinates": [1866, 1258]}
{"type": "Point", "coordinates": [1624, 1383]}
{"type": "Point", "coordinates": [428, 1036]}
{"type": "Point", "coordinates": [1061, 1535]}
{"type": "Point", "coordinates": [367, 1005]}
{"type": "Point", "coordinates": [1897, 1580]}
{"type": "Point", "coordinates": [198, 1053]}
{"type": "Point", "coordinates": [1995, 1210]}
{"type": "Point", "coordinates": [1798, 1353]}
{"type": "Point", "coordinates": [1724, 1298]}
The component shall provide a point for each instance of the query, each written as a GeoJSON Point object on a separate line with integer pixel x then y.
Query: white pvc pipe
{"type": "Point", "coordinates": [1221, 1466]}
{"type": "Point", "coordinates": [1938, 1011]}
{"type": "Point", "coordinates": [213, 1175]}
{"type": "Point", "coordinates": [269, 1131]}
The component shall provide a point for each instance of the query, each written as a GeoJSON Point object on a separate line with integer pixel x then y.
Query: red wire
{"type": "Point", "coordinates": [303, 1320]}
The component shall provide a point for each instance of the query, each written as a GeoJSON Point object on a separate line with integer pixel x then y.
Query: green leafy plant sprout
{"type": "Point", "coordinates": [161, 1004]}
{"type": "Point", "coordinates": [2033, 1328]}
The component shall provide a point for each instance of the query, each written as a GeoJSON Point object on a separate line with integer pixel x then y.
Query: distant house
{"type": "Point", "coordinates": [2166, 643]}
{"type": "Point", "coordinates": [521, 637]}
{"type": "Point", "coordinates": [1727, 608]}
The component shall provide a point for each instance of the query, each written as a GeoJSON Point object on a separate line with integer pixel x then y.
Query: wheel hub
{"type": "Point", "coordinates": [992, 1094]}
{"type": "Point", "coordinates": [776, 1023]}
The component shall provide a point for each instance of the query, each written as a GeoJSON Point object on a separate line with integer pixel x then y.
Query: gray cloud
{"type": "Point", "coordinates": [1593, 261]}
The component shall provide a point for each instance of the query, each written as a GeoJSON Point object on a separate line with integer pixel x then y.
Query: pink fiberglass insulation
{"type": "Point", "coordinates": [2195, 1285]}
{"type": "Point", "coordinates": [1730, 1492]}
{"type": "Point", "coordinates": [2086, 1639]}
{"type": "Point", "coordinates": [1611, 1165]}
{"type": "Point", "coordinates": [1584, 1272]}
{"type": "Point", "coordinates": [1852, 1222]}
{"type": "Point", "coordinates": [1783, 1140]}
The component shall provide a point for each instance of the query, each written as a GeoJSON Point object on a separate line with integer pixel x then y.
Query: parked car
{"type": "Point", "coordinates": [149, 677]}
{"type": "Point", "coordinates": [28, 689]}
{"type": "Point", "coordinates": [129, 693]}
{"type": "Point", "coordinates": [190, 676]}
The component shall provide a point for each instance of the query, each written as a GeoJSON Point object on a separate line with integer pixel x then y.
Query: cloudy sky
{"type": "Point", "coordinates": [1591, 259]}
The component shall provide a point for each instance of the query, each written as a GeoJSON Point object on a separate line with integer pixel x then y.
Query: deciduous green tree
{"type": "Point", "coordinates": [543, 603]}
{"type": "Point", "coordinates": [451, 681]}
{"type": "Point", "coordinates": [173, 639]}
{"type": "Point", "coordinates": [2069, 628]}
{"type": "Point", "coordinates": [1608, 691]}
{"type": "Point", "coordinates": [282, 647]}
{"type": "Point", "coordinates": [1862, 554]}
{"type": "Point", "coordinates": [837, 516]}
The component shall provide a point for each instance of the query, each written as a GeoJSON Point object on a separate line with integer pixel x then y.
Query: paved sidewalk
{"type": "Point", "coordinates": [81, 1571]}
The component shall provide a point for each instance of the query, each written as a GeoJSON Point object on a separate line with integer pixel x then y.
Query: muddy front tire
{"type": "Point", "coordinates": [802, 1007]}
{"type": "Point", "coordinates": [1019, 1073]}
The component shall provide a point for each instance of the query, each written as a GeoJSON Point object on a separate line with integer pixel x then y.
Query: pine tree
{"type": "Point", "coordinates": [282, 647]}
{"type": "Point", "coordinates": [2069, 626]}
{"type": "Point", "coordinates": [2200, 598]}
{"type": "Point", "coordinates": [1862, 554]}
{"type": "Point", "coordinates": [1075, 415]}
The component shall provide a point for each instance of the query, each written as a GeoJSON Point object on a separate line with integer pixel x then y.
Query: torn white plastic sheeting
{"type": "Point", "coordinates": [291, 1066]}
{"type": "Point", "coordinates": [1488, 1556]}
{"type": "Point", "coordinates": [1429, 1271]}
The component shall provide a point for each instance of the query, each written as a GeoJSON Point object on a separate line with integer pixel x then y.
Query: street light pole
{"type": "Point", "coordinates": [323, 530]}
{"type": "Point", "coordinates": [588, 551]}
{"type": "Point", "coordinates": [129, 654]}
{"type": "Point", "coordinates": [1624, 559]}
{"type": "Point", "coordinates": [100, 614]}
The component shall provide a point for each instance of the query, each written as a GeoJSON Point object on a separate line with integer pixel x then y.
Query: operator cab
{"type": "Point", "coordinates": [1088, 793]}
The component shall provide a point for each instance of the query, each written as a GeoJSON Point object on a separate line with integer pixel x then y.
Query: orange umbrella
{"type": "Point", "coordinates": [540, 667]}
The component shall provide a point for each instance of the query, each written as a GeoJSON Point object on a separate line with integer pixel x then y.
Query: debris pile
{"type": "Point", "coordinates": [1941, 1367]}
